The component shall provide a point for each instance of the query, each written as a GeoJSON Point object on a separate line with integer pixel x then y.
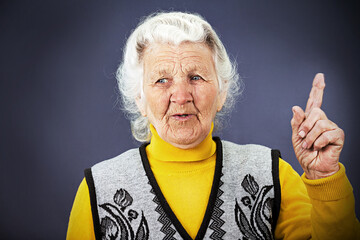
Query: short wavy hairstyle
{"type": "Point", "coordinates": [174, 28]}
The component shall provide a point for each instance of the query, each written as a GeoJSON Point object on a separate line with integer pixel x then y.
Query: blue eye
{"type": "Point", "coordinates": [196, 78]}
{"type": "Point", "coordinates": [162, 80]}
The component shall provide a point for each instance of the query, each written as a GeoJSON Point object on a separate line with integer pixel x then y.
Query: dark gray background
{"type": "Point", "coordinates": [59, 111]}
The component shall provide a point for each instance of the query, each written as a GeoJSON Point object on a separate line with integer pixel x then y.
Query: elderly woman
{"type": "Point", "coordinates": [176, 82]}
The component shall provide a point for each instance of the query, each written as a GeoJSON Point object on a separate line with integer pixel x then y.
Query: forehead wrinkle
{"type": "Point", "coordinates": [195, 58]}
{"type": "Point", "coordinates": [192, 57]}
{"type": "Point", "coordinates": [162, 69]}
{"type": "Point", "coordinates": [179, 54]}
{"type": "Point", "coordinates": [196, 66]}
{"type": "Point", "coordinates": [168, 61]}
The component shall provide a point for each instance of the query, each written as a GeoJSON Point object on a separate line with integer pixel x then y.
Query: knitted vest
{"type": "Point", "coordinates": [244, 202]}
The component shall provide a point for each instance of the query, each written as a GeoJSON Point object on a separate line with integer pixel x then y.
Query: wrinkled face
{"type": "Point", "coordinates": [181, 93]}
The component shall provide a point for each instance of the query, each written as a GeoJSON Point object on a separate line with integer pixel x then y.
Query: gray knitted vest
{"type": "Point", "coordinates": [244, 203]}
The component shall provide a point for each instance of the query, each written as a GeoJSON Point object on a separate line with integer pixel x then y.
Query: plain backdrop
{"type": "Point", "coordinates": [59, 99]}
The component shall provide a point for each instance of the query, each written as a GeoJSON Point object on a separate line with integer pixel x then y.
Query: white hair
{"type": "Point", "coordinates": [174, 28]}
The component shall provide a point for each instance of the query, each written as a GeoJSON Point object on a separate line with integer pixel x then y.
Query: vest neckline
{"type": "Point", "coordinates": [166, 207]}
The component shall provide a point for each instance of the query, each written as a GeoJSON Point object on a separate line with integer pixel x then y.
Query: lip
{"type": "Point", "coordinates": [182, 116]}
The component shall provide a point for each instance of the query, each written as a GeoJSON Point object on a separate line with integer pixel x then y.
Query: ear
{"type": "Point", "coordinates": [140, 102]}
{"type": "Point", "coordinates": [221, 100]}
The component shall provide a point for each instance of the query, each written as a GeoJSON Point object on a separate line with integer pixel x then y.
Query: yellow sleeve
{"type": "Point", "coordinates": [333, 207]}
{"type": "Point", "coordinates": [81, 222]}
{"type": "Point", "coordinates": [316, 209]}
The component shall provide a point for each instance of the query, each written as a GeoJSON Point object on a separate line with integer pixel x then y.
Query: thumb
{"type": "Point", "coordinates": [298, 118]}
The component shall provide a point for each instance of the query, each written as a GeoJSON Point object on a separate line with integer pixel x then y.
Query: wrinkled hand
{"type": "Point", "coordinates": [317, 141]}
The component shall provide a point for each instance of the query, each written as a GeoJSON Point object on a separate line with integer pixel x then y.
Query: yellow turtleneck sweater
{"type": "Point", "coordinates": [185, 178]}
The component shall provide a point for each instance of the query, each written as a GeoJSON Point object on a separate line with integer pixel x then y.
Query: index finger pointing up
{"type": "Point", "coordinates": [316, 93]}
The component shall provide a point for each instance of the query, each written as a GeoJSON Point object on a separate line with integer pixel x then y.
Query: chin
{"type": "Point", "coordinates": [185, 136]}
{"type": "Point", "coordinates": [186, 141]}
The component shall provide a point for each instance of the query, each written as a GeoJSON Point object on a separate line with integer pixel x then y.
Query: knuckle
{"type": "Point", "coordinates": [305, 127]}
{"type": "Point", "coordinates": [322, 124]}
{"type": "Point", "coordinates": [325, 137]}
{"type": "Point", "coordinates": [321, 142]}
{"type": "Point", "coordinates": [342, 133]}
{"type": "Point", "coordinates": [341, 136]}
{"type": "Point", "coordinates": [292, 122]}
{"type": "Point", "coordinates": [318, 112]}
{"type": "Point", "coordinates": [334, 125]}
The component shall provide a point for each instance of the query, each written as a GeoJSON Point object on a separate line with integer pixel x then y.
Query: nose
{"type": "Point", "coordinates": [181, 93]}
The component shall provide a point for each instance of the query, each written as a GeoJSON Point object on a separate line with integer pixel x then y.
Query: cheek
{"type": "Point", "coordinates": [206, 100]}
{"type": "Point", "coordinates": [157, 103]}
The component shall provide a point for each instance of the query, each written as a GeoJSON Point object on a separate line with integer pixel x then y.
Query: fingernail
{"type": "Point", "coordinates": [304, 145]}
{"type": "Point", "coordinates": [302, 134]}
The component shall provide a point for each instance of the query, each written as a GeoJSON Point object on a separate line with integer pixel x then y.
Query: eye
{"type": "Point", "coordinates": [162, 80]}
{"type": "Point", "coordinates": [196, 78]}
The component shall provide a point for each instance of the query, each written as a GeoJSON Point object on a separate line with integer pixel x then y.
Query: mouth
{"type": "Point", "coordinates": [183, 116]}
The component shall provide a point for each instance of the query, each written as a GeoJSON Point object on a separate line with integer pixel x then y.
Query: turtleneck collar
{"type": "Point", "coordinates": [163, 151]}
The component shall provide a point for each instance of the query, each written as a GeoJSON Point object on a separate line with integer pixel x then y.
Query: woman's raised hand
{"type": "Point", "coordinates": [317, 141]}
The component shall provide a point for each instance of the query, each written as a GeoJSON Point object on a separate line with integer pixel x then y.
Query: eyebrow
{"type": "Point", "coordinates": [161, 70]}
{"type": "Point", "coordinates": [196, 68]}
